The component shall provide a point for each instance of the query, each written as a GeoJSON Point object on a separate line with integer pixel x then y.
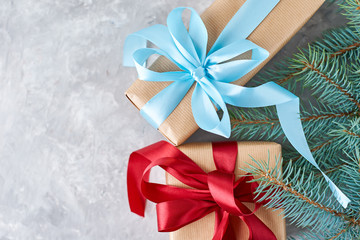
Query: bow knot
{"type": "Point", "coordinates": [198, 73]}
{"type": "Point", "coordinates": [222, 188]}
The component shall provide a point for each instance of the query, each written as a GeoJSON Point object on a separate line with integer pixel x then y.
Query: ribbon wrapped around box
{"type": "Point", "coordinates": [213, 71]}
{"type": "Point", "coordinates": [205, 196]}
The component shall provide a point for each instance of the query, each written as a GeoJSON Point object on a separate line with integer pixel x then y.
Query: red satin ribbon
{"type": "Point", "coordinates": [215, 191]}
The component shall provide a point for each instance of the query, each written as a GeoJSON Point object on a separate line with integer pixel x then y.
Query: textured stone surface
{"type": "Point", "coordinates": [66, 128]}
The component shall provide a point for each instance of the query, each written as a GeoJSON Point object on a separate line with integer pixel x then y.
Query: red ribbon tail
{"type": "Point", "coordinates": [136, 167]}
{"type": "Point", "coordinates": [230, 231]}
{"type": "Point", "coordinates": [222, 225]}
{"type": "Point", "coordinates": [257, 229]}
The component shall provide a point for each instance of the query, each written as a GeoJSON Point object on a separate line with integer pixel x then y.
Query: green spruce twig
{"type": "Point", "coordinates": [305, 201]}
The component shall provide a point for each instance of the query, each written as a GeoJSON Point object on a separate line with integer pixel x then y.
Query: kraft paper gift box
{"type": "Point", "coordinates": [202, 155]}
{"type": "Point", "coordinates": [272, 34]}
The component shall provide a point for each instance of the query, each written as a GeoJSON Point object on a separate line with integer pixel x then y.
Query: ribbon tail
{"type": "Point", "coordinates": [257, 229]}
{"type": "Point", "coordinates": [222, 222]}
{"type": "Point", "coordinates": [291, 124]}
{"type": "Point", "coordinates": [136, 167]}
{"type": "Point", "coordinates": [230, 230]}
{"type": "Point", "coordinates": [288, 109]}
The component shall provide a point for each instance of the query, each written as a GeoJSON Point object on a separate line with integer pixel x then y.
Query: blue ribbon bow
{"type": "Point", "coordinates": [213, 73]}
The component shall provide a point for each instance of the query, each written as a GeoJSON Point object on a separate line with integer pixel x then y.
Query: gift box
{"type": "Point", "coordinates": [197, 190]}
{"type": "Point", "coordinates": [201, 154]}
{"type": "Point", "coordinates": [272, 34]}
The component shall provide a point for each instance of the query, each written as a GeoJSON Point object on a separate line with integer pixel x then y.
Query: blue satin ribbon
{"type": "Point", "coordinates": [213, 73]}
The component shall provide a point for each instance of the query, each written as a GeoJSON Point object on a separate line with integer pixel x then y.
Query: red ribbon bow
{"type": "Point", "coordinates": [215, 191]}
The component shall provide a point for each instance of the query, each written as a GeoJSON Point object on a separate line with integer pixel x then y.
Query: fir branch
{"type": "Point", "coordinates": [348, 135]}
{"type": "Point", "coordinates": [306, 201]}
{"type": "Point", "coordinates": [287, 188]}
{"type": "Point", "coordinates": [327, 153]}
{"type": "Point", "coordinates": [257, 124]}
{"type": "Point", "coordinates": [342, 43]}
{"type": "Point", "coordinates": [331, 170]}
{"type": "Point", "coordinates": [350, 177]}
{"type": "Point", "coordinates": [345, 50]}
{"type": "Point", "coordinates": [352, 11]}
{"type": "Point", "coordinates": [342, 231]}
{"type": "Point", "coordinates": [288, 77]}
{"type": "Point", "coordinates": [351, 133]}
{"type": "Point", "coordinates": [299, 188]}
{"type": "Point", "coordinates": [271, 122]}
{"type": "Point", "coordinates": [333, 82]}
{"type": "Point", "coordinates": [328, 116]}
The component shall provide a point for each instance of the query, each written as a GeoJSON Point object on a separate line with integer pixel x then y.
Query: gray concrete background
{"type": "Point", "coordinates": [66, 128]}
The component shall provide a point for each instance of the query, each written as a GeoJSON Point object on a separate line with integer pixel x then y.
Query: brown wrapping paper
{"type": "Point", "coordinates": [201, 154]}
{"type": "Point", "coordinates": [272, 34]}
